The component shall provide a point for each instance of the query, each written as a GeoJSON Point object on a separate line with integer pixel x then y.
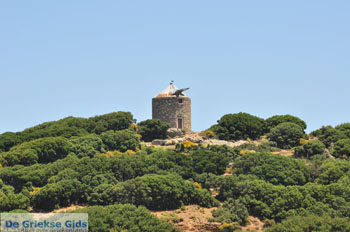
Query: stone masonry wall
{"type": "Point", "coordinates": [169, 109]}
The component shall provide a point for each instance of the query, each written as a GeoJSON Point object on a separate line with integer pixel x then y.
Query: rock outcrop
{"type": "Point", "coordinates": [195, 138]}
{"type": "Point", "coordinates": [174, 132]}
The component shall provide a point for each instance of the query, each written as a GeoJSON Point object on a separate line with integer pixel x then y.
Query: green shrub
{"type": "Point", "coordinates": [153, 191]}
{"type": "Point", "coordinates": [67, 128]}
{"type": "Point", "coordinates": [328, 135]}
{"type": "Point", "coordinates": [311, 223]}
{"type": "Point", "coordinates": [341, 148]}
{"type": "Point", "coordinates": [286, 135]}
{"type": "Point", "coordinates": [275, 169]}
{"type": "Point", "coordinates": [310, 149]}
{"type": "Point", "coordinates": [209, 162]}
{"type": "Point", "coordinates": [209, 180]}
{"type": "Point", "coordinates": [278, 119]}
{"type": "Point", "coordinates": [123, 218]}
{"type": "Point", "coordinates": [344, 128]}
{"type": "Point", "coordinates": [332, 170]}
{"type": "Point", "coordinates": [231, 211]}
{"type": "Point", "coordinates": [239, 126]}
{"type": "Point", "coordinates": [153, 129]}
{"type": "Point", "coordinates": [11, 201]}
{"type": "Point", "coordinates": [60, 194]}
{"type": "Point", "coordinates": [88, 145]}
{"type": "Point", "coordinates": [268, 201]}
{"type": "Point", "coordinates": [38, 151]}
{"type": "Point", "coordinates": [120, 140]}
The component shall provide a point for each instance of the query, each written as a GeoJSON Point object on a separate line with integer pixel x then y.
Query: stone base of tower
{"type": "Point", "coordinates": [174, 110]}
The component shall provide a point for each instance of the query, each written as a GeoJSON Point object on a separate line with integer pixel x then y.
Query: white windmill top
{"type": "Point", "coordinates": [169, 91]}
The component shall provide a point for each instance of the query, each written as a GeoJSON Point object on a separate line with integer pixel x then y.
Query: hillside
{"type": "Point", "coordinates": [243, 174]}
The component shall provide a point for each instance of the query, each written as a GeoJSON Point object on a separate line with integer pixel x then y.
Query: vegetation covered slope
{"type": "Point", "coordinates": [102, 162]}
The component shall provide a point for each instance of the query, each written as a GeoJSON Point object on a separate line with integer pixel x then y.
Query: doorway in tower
{"type": "Point", "coordinates": [180, 123]}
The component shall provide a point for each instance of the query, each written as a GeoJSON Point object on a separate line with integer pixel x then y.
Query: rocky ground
{"type": "Point", "coordinates": [195, 138]}
{"type": "Point", "coordinates": [195, 218]}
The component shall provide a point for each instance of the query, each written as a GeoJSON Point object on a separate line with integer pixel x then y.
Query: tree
{"type": "Point", "coordinates": [88, 145]}
{"type": "Point", "coordinates": [120, 140]}
{"type": "Point", "coordinates": [344, 128]}
{"type": "Point", "coordinates": [231, 211]}
{"type": "Point", "coordinates": [263, 199]}
{"type": "Point", "coordinates": [239, 126]}
{"type": "Point", "coordinates": [153, 129]}
{"type": "Point", "coordinates": [112, 121]}
{"type": "Point", "coordinates": [123, 218]}
{"type": "Point", "coordinates": [341, 148]}
{"type": "Point", "coordinates": [67, 128]}
{"type": "Point", "coordinates": [309, 149]}
{"type": "Point", "coordinates": [38, 151]}
{"type": "Point", "coordinates": [209, 162]}
{"type": "Point", "coordinates": [155, 192]}
{"type": "Point", "coordinates": [11, 201]}
{"type": "Point", "coordinates": [328, 135]}
{"type": "Point", "coordinates": [311, 223]}
{"type": "Point", "coordinates": [276, 169]}
{"type": "Point", "coordinates": [60, 194]}
{"type": "Point", "coordinates": [278, 119]}
{"type": "Point", "coordinates": [286, 135]}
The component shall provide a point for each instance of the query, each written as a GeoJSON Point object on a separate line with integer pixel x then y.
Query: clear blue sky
{"type": "Point", "coordinates": [85, 58]}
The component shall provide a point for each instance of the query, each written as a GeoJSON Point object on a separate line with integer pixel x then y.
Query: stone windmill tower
{"type": "Point", "coordinates": [173, 106]}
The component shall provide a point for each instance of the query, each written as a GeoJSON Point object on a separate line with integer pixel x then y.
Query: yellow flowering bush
{"type": "Point", "coordinates": [208, 134]}
{"type": "Point", "coordinates": [197, 185]}
{"type": "Point", "coordinates": [35, 190]}
{"type": "Point", "coordinates": [189, 144]}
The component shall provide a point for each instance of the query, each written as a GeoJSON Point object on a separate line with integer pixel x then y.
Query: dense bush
{"type": "Point", "coordinates": [88, 145]}
{"type": "Point", "coordinates": [344, 128]}
{"type": "Point", "coordinates": [122, 167]}
{"type": "Point", "coordinates": [68, 127]}
{"type": "Point", "coordinates": [112, 121]}
{"type": "Point", "coordinates": [275, 169]}
{"type": "Point", "coordinates": [209, 180]}
{"type": "Point", "coordinates": [87, 173]}
{"type": "Point", "coordinates": [332, 170]}
{"type": "Point", "coordinates": [38, 151]}
{"type": "Point", "coordinates": [123, 218]}
{"type": "Point", "coordinates": [9, 200]}
{"type": "Point", "coordinates": [286, 135]}
{"type": "Point", "coordinates": [231, 211]}
{"type": "Point", "coordinates": [312, 223]}
{"type": "Point", "coordinates": [310, 149]}
{"type": "Point", "coordinates": [60, 194]}
{"type": "Point", "coordinates": [49, 149]}
{"type": "Point", "coordinates": [239, 126]}
{"type": "Point", "coordinates": [328, 135]}
{"type": "Point", "coordinates": [153, 129]}
{"type": "Point", "coordinates": [126, 167]}
{"type": "Point", "coordinates": [120, 140]}
{"type": "Point", "coordinates": [265, 200]}
{"type": "Point", "coordinates": [20, 176]}
{"type": "Point", "coordinates": [341, 148]}
{"type": "Point", "coordinates": [230, 152]}
{"type": "Point", "coordinates": [209, 162]}
{"type": "Point", "coordinates": [153, 191]}
{"type": "Point", "coordinates": [278, 119]}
